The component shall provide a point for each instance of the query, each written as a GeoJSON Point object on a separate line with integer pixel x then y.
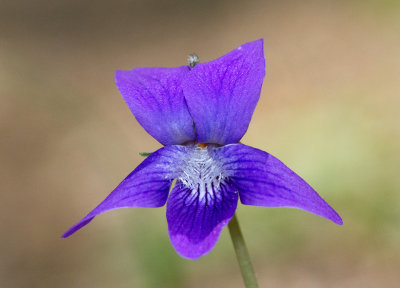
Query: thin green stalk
{"type": "Point", "coordinates": [242, 254]}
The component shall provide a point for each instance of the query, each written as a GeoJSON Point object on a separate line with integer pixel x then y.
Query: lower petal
{"type": "Point", "coordinates": [146, 186]}
{"type": "Point", "coordinates": [196, 217]}
{"type": "Point", "coordinates": [263, 180]}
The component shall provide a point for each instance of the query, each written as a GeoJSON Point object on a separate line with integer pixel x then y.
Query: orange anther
{"type": "Point", "coordinates": [202, 145]}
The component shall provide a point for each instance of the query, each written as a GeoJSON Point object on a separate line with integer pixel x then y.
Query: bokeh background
{"type": "Point", "coordinates": [329, 109]}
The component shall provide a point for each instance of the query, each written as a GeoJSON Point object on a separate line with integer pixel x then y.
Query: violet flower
{"type": "Point", "coordinates": [200, 113]}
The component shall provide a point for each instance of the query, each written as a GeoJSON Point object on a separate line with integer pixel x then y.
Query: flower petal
{"type": "Point", "coordinates": [195, 219]}
{"type": "Point", "coordinates": [223, 93]}
{"type": "Point", "coordinates": [155, 98]}
{"type": "Point", "coordinates": [146, 186]}
{"type": "Point", "coordinates": [263, 180]}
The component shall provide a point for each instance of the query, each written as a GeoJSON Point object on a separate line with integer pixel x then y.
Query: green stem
{"type": "Point", "coordinates": [242, 254]}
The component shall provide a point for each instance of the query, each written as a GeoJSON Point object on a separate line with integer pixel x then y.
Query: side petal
{"type": "Point", "coordinates": [222, 94]}
{"type": "Point", "coordinates": [155, 98]}
{"type": "Point", "coordinates": [263, 180]}
{"type": "Point", "coordinates": [196, 218]}
{"type": "Point", "coordinates": [146, 186]}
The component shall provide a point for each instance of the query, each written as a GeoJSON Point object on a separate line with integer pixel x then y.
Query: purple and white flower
{"type": "Point", "coordinates": [199, 114]}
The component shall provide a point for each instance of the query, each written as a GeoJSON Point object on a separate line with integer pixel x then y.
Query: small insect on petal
{"type": "Point", "coordinates": [193, 60]}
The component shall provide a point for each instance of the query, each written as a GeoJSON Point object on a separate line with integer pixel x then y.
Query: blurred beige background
{"type": "Point", "coordinates": [329, 110]}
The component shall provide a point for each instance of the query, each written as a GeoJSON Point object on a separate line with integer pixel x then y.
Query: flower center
{"type": "Point", "coordinates": [202, 174]}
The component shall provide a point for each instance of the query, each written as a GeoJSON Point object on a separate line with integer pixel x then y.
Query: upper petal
{"type": "Point", "coordinates": [146, 186]}
{"type": "Point", "coordinates": [263, 180]}
{"type": "Point", "coordinates": [196, 216]}
{"type": "Point", "coordinates": [155, 98]}
{"type": "Point", "coordinates": [222, 94]}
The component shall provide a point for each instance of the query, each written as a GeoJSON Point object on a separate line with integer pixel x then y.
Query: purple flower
{"type": "Point", "coordinates": [200, 114]}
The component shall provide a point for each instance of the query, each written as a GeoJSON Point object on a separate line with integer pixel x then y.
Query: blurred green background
{"type": "Point", "coordinates": [329, 110]}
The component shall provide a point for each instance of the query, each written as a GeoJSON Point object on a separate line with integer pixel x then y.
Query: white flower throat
{"type": "Point", "coordinates": [201, 173]}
